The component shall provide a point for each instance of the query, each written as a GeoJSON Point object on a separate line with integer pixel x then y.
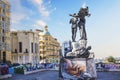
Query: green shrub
{"type": "Point", "coordinates": [19, 70]}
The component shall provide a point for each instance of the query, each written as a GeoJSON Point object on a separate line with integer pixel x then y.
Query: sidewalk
{"type": "Point", "coordinates": [5, 76]}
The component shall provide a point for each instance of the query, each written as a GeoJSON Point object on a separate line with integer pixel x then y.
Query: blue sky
{"type": "Point", "coordinates": [103, 26]}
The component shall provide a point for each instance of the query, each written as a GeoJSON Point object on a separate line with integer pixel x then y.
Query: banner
{"type": "Point", "coordinates": [77, 67]}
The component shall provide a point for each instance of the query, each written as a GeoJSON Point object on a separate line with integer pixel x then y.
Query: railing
{"type": "Point", "coordinates": [26, 52]}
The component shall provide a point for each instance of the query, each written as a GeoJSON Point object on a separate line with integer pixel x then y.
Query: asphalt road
{"type": "Point", "coordinates": [108, 76]}
{"type": "Point", "coordinates": [53, 75]}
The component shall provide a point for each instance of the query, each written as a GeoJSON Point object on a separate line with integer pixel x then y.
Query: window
{"type": "Point", "coordinates": [0, 10]}
{"type": "Point", "coordinates": [25, 33]}
{"type": "Point", "coordinates": [3, 39]}
{"type": "Point", "coordinates": [15, 50]}
{"type": "Point", "coordinates": [0, 24]}
{"type": "Point", "coordinates": [15, 34]}
{"type": "Point", "coordinates": [3, 31]}
{"type": "Point", "coordinates": [35, 47]}
{"type": "Point", "coordinates": [0, 54]}
{"type": "Point", "coordinates": [46, 38]}
{"type": "Point", "coordinates": [32, 47]}
{"type": "Point", "coordinates": [4, 57]}
{"type": "Point", "coordinates": [3, 10]}
{"type": "Point", "coordinates": [3, 19]}
{"type": "Point", "coordinates": [20, 47]}
{"type": "Point", "coordinates": [26, 50]}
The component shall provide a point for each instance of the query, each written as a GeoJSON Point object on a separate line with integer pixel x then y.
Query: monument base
{"type": "Point", "coordinates": [83, 43]}
{"type": "Point", "coordinates": [79, 44]}
{"type": "Point", "coordinates": [75, 46]}
{"type": "Point", "coordinates": [79, 49]}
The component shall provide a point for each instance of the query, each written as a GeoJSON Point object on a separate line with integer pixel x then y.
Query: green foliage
{"type": "Point", "coordinates": [19, 70]}
{"type": "Point", "coordinates": [111, 59]}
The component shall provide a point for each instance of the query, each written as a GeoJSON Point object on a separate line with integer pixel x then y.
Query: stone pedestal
{"type": "Point", "coordinates": [75, 46]}
{"type": "Point", "coordinates": [91, 67]}
{"type": "Point", "coordinates": [79, 44]}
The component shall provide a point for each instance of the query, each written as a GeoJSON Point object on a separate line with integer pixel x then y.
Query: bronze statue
{"type": "Point", "coordinates": [81, 22]}
{"type": "Point", "coordinates": [73, 21]}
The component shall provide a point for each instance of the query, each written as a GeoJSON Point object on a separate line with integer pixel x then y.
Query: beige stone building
{"type": "Point", "coordinates": [5, 49]}
{"type": "Point", "coordinates": [24, 45]}
{"type": "Point", "coordinates": [49, 46]}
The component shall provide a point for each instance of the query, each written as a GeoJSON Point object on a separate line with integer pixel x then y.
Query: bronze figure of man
{"type": "Point", "coordinates": [73, 21]}
{"type": "Point", "coordinates": [81, 22]}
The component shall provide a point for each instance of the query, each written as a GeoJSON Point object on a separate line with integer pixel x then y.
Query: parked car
{"type": "Point", "coordinates": [15, 64]}
{"type": "Point", "coordinates": [4, 69]}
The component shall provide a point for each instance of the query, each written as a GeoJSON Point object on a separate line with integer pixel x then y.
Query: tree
{"type": "Point", "coordinates": [111, 59]}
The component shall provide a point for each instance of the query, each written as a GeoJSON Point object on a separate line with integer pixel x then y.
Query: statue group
{"type": "Point", "coordinates": [78, 20]}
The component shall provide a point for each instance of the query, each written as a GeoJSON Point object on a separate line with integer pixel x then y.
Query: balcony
{"type": "Point", "coordinates": [15, 51]}
{"type": "Point", "coordinates": [26, 52]}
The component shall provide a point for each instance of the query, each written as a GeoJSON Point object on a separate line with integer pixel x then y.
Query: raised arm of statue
{"type": "Point", "coordinates": [87, 11]}
{"type": "Point", "coordinates": [74, 15]}
{"type": "Point", "coordinates": [89, 15]}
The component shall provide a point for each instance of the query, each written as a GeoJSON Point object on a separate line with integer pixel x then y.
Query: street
{"type": "Point", "coordinates": [53, 75]}
{"type": "Point", "coordinates": [108, 76]}
{"type": "Point", "coordinates": [45, 75]}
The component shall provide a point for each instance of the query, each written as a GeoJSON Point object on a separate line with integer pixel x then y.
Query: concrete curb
{"type": "Point", "coordinates": [35, 71]}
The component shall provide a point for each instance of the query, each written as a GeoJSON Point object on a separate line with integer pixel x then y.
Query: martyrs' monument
{"type": "Point", "coordinates": [78, 21]}
{"type": "Point", "coordinates": [78, 64]}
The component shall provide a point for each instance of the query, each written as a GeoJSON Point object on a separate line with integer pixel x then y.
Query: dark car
{"type": "Point", "coordinates": [15, 64]}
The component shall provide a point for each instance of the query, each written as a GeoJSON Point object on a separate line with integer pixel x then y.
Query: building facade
{"type": "Point", "coordinates": [25, 47]}
{"type": "Point", "coordinates": [49, 46]}
{"type": "Point", "coordinates": [5, 48]}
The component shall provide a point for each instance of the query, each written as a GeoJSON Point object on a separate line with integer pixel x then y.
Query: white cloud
{"type": "Point", "coordinates": [18, 12]}
{"type": "Point", "coordinates": [41, 23]}
{"type": "Point", "coordinates": [17, 17]}
{"type": "Point", "coordinates": [38, 2]}
{"type": "Point", "coordinates": [43, 8]}
{"type": "Point", "coordinates": [44, 12]}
